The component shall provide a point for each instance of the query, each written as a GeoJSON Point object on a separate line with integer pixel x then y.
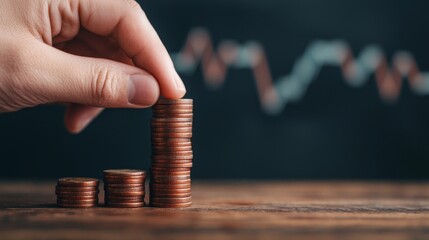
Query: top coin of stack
{"type": "Point", "coordinates": [170, 184]}
{"type": "Point", "coordinates": [124, 188]}
{"type": "Point", "coordinates": [77, 192]}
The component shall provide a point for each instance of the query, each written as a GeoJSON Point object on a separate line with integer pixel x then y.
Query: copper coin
{"type": "Point", "coordinates": [172, 205]}
{"type": "Point", "coordinates": [166, 176]}
{"type": "Point", "coordinates": [171, 200]}
{"type": "Point", "coordinates": [125, 205]}
{"type": "Point", "coordinates": [170, 173]}
{"type": "Point", "coordinates": [124, 181]}
{"type": "Point", "coordinates": [114, 200]}
{"type": "Point", "coordinates": [170, 185]}
{"type": "Point", "coordinates": [76, 201]}
{"type": "Point", "coordinates": [170, 144]}
{"type": "Point", "coordinates": [172, 115]}
{"type": "Point", "coordinates": [171, 163]}
{"type": "Point", "coordinates": [170, 124]}
{"type": "Point", "coordinates": [170, 195]}
{"type": "Point", "coordinates": [175, 176]}
{"type": "Point", "coordinates": [129, 194]}
{"type": "Point", "coordinates": [181, 165]}
{"type": "Point", "coordinates": [134, 189]}
{"type": "Point", "coordinates": [90, 205]}
{"type": "Point", "coordinates": [172, 135]}
{"type": "Point", "coordinates": [119, 178]}
{"type": "Point", "coordinates": [178, 153]}
{"type": "Point", "coordinates": [169, 170]}
{"type": "Point", "coordinates": [174, 106]}
{"type": "Point", "coordinates": [75, 194]}
{"type": "Point", "coordinates": [124, 172]}
{"type": "Point", "coordinates": [78, 182]}
{"type": "Point", "coordinates": [122, 185]}
{"type": "Point", "coordinates": [172, 110]}
{"type": "Point", "coordinates": [170, 119]}
{"type": "Point", "coordinates": [155, 190]}
{"type": "Point", "coordinates": [171, 149]}
{"type": "Point", "coordinates": [124, 198]}
{"type": "Point", "coordinates": [170, 181]}
{"type": "Point", "coordinates": [185, 155]}
{"type": "Point", "coordinates": [167, 141]}
{"type": "Point", "coordinates": [167, 101]}
{"type": "Point", "coordinates": [76, 189]}
{"type": "Point", "coordinates": [176, 129]}
{"type": "Point", "coordinates": [68, 195]}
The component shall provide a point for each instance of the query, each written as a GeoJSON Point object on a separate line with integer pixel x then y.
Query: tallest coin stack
{"type": "Point", "coordinates": [170, 182]}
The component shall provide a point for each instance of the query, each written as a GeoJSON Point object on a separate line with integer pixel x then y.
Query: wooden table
{"type": "Point", "coordinates": [230, 210]}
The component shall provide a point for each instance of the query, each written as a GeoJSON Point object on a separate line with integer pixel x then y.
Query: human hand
{"type": "Point", "coordinates": [89, 53]}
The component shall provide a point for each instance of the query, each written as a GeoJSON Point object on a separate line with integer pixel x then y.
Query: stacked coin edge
{"type": "Point", "coordinates": [77, 192]}
{"type": "Point", "coordinates": [124, 188]}
{"type": "Point", "coordinates": [172, 155]}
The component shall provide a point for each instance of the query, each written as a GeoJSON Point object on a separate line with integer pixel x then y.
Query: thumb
{"type": "Point", "coordinates": [93, 81]}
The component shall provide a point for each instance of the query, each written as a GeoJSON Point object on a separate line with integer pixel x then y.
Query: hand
{"type": "Point", "coordinates": [89, 53]}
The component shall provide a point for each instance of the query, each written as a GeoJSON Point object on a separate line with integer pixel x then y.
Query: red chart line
{"type": "Point", "coordinates": [215, 62]}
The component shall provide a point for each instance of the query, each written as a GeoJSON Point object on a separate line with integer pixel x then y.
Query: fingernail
{"type": "Point", "coordinates": [179, 84]}
{"type": "Point", "coordinates": [143, 90]}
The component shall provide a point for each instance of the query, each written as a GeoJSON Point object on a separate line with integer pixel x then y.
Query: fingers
{"type": "Point", "coordinates": [128, 25]}
{"type": "Point", "coordinates": [91, 81]}
{"type": "Point", "coordinates": [78, 116]}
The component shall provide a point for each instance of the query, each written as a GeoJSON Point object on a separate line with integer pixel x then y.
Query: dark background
{"type": "Point", "coordinates": [335, 131]}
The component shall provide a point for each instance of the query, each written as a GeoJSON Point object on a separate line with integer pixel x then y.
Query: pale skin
{"type": "Point", "coordinates": [90, 54]}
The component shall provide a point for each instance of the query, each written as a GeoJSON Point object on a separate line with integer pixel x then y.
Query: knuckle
{"type": "Point", "coordinates": [106, 87]}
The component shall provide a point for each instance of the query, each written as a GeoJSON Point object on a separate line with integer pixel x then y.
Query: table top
{"type": "Point", "coordinates": [229, 210]}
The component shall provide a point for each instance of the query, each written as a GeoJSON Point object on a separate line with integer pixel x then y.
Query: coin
{"type": "Point", "coordinates": [170, 185]}
{"type": "Point", "coordinates": [170, 119]}
{"type": "Point", "coordinates": [86, 205]}
{"type": "Point", "coordinates": [124, 172]}
{"type": "Point", "coordinates": [76, 201]}
{"type": "Point", "coordinates": [171, 176]}
{"type": "Point", "coordinates": [172, 195]}
{"type": "Point", "coordinates": [156, 190]}
{"type": "Point", "coordinates": [116, 200]}
{"type": "Point", "coordinates": [124, 181]}
{"type": "Point", "coordinates": [77, 194]}
{"type": "Point", "coordinates": [125, 189]}
{"type": "Point", "coordinates": [76, 189]}
{"type": "Point", "coordinates": [172, 205]}
{"type": "Point", "coordinates": [125, 204]}
{"type": "Point", "coordinates": [171, 149]}
{"type": "Point", "coordinates": [78, 182]}
{"type": "Point", "coordinates": [170, 181]}
{"type": "Point", "coordinates": [166, 101]}
{"type": "Point", "coordinates": [184, 155]}
{"type": "Point", "coordinates": [181, 165]}
{"type": "Point", "coordinates": [170, 124]}
{"type": "Point", "coordinates": [171, 130]}
{"type": "Point", "coordinates": [171, 200]}
{"type": "Point", "coordinates": [172, 115]}
{"type": "Point", "coordinates": [172, 110]}
{"type": "Point", "coordinates": [171, 135]}
{"type": "Point", "coordinates": [162, 168]}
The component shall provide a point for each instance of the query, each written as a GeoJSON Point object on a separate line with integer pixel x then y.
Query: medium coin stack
{"type": "Point", "coordinates": [170, 182]}
{"type": "Point", "coordinates": [77, 192]}
{"type": "Point", "coordinates": [124, 188]}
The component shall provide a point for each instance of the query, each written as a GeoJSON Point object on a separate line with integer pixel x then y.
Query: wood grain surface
{"type": "Point", "coordinates": [230, 210]}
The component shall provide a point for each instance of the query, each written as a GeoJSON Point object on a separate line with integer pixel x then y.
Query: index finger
{"type": "Point", "coordinates": [125, 21]}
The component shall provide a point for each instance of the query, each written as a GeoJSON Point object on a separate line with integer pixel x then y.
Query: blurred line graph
{"type": "Point", "coordinates": [275, 95]}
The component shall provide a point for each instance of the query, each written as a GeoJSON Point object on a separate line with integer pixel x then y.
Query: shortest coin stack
{"type": "Point", "coordinates": [124, 188]}
{"type": "Point", "coordinates": [77, 192]}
